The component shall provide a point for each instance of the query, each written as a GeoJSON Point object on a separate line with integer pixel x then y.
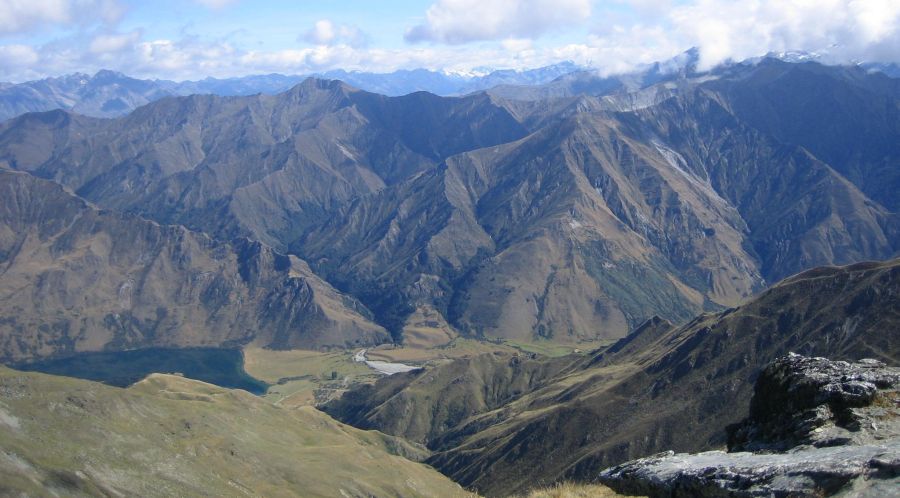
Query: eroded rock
{"type": "Point", "coordinates": [815, 401]}
{"type": "Point", "coordinates": [816, 428]}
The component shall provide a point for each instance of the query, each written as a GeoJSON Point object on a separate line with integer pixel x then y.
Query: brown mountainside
{"type": "Point", "coordinates": [573, 218]}
{"type": "Point", "coordinates": [76, 278]}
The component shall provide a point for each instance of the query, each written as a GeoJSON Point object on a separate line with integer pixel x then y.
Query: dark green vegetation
{"type": "Point", "coordinates": [506, 423]}
{"type": "Point", "coordinates": [222, 367]}
{"type": "Point", "coordinates": [573, 217]}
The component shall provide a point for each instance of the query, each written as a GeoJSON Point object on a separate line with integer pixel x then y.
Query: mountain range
{"type": "Point", "coordinates": [573, 218]}
{"type": "Point", "coordinates": [670, 231]}
{"type": "Point", "coordinates": [111, 94]}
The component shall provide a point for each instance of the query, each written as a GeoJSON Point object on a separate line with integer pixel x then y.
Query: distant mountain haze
{"type": "Point", "coordinates": [112, 94]}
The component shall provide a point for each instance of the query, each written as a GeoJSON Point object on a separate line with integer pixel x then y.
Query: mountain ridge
{"type": "Point", "coordinates": [112, 94]}
{"type": "Point", "coordinates": [513, 219]}
{"type": "Point", "coordinates": [663, 387]}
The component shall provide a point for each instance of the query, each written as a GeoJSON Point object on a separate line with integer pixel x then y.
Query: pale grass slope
{"type": "Point", "coordinates": [170, 436]}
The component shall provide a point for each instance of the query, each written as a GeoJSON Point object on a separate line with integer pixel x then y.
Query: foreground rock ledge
{"type": "Point", "coordinates": [817, 428]}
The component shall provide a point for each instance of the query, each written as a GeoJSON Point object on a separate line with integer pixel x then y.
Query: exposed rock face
{"type": "Point", "coordinates": [814, 401]}
{"type": "Point", "coordinates": [76, 278]}
{"type": "Point", "coordinates": [869, 470]}
{"type": "Point", "coordinates": [834, 426]}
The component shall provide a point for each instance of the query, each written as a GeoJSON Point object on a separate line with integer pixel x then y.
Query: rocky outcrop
{"type": "Point", "coordinates": [817, 402]}
{"type": "Point", "coordinates": [844, 470]}
{"type": "Point", "coordinates": [816, 428]}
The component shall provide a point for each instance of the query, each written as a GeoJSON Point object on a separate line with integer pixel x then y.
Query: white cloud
{"type": "Point", "coordinates": [322, 33]}
{"type": "Point", "coordinates": [463, 21]}
{"type": "Point", "coordinates": [325, 32]}
{"type": "Point", "coordinates": [18, 56]}
{"type": "Point", "coordinates": [517, 44]}
{"type": "Point", "coordinates": [216, 4]}
{"type": "Point", "coordinates": [18, 16]}
{"type": "Point", "coordinates": [113, 42]}
{"type": "Point", "coordinates": [847, 29]}
{"type": "Point", "coordinates": [841, 30]}
{"type": "Point", "coordinates": [620, 41]}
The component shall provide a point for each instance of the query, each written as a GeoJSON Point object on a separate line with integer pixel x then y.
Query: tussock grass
{"type": "Point", "coordinates": [571, 490]}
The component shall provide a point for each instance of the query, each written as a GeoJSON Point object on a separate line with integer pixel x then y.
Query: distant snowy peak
{"type": "Point", "coordinates": [890, 69]}
{"type": "Point", "coordinates": [797, 56]}
{"type": "Point", "coordinates": [475, 72]}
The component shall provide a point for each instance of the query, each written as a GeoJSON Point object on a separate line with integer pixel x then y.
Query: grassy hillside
{"type": "Point", "coordinates": [171, 436]}
{"type": "Point", "coordinates": [300, 377]}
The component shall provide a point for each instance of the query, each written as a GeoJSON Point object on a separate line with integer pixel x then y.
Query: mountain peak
{"type": "Point", "coordinates": [319, 92]}
{"type": "Point", "coordinates": [314, 83]}
{"type": "Point", "coordinates": [107, 74]}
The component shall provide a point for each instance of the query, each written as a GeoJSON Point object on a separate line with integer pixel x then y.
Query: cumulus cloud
{"type": "Point", "coordinates": [845, 29]}
{"type": "Point", "coordinates": [18, 56]}
{"type": "Point", "coordinates": [630, 32]}
{"type": "Point", "coordinates": [17, 16]}
{"type": "Point", "coordinates": [113, 42]}
{"type": "Point", "coordinates": [840, 31]}
{"type": "Point", "coordinates": [463, 21]}
{"type": "Point", "coordinates": [325, 32]}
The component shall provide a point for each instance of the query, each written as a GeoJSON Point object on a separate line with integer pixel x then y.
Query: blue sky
{"type": "Point", "coordinates": [191, 39]}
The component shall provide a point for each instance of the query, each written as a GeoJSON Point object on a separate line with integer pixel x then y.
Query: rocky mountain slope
{"type": "Point", "coordinates": [77, 278]}
{"type": "Point", "coordinates": [171, 436]}
{"type": "Point", "coordinates": [834, 428]}
{"type": "Point", "coordinates": [105, 94]}
{"type": "Point", "coordinates": [571, 219]}
{"type": "Point", "coordinates": [530, 422]}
